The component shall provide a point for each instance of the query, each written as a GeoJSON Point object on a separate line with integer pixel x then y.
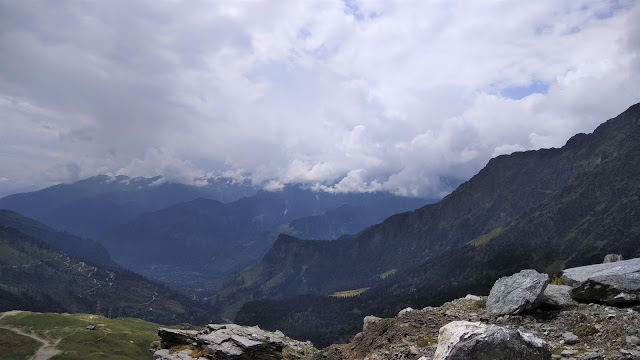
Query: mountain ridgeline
{"type": "Point", "coordinates": [92, 206]}
{"type": "Point", "coordinates": [34, 276]}
{"type": "Point", "coordinates": [545, 209]}
{"type": "Point", "coordinates": [198, 243]}
{"type": "Point", "coordinates": [85, 249]}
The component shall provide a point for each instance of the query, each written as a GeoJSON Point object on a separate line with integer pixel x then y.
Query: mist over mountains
{"type": "Point", "coordinates": [546, 209]}
{"type": "Point", "coordinates": [284, 259]}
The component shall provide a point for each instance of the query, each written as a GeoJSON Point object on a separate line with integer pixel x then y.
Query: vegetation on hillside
{"type": "Point", "coordinates": [109, 339]}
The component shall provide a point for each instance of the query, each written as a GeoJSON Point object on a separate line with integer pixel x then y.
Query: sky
{"type": "Point", "coordinates": [355, 95]}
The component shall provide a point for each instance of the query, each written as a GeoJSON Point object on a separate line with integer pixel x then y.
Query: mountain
{"type": "Point", "coordinates": [85, 249]}
{"type": "Point", "coordinates": [198, 243]}
{"type": "Point", "coordinates": [36, 277]}
{"type": "Point", "coordinates": [89, 207]}
{"type": "Point", "coordinates": [545, 209]}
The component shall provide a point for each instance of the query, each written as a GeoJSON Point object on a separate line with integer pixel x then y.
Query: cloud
{"type": "Point", "coordinates": [367, 95]}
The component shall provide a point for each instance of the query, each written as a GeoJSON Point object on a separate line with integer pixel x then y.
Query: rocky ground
{"type": "Point", "coordinates": [524, 317]}
{"type": "Point", "coordinates": [601, 332]}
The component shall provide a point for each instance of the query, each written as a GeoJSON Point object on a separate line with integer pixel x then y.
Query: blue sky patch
{"type": "Point", "coordinates": [519, 92]}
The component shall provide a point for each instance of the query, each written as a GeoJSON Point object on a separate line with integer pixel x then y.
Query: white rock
{"type": "Point", "coordinates": [464, 340]}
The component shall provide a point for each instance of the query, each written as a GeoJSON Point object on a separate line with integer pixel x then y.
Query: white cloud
{"type": "Point", "coordinates": [397, 96]}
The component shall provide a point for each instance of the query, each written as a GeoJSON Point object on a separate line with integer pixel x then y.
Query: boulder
{"type": "Point", "coordinates": [616, 290]}
{"type": "Point", "coordinates": [557, 297]}
{"type": "Point", "coordinates": [614, 283]}
{"type": "Point", "coordinates": [612, 258]}
{"type": "Point", "coordinates": [369, 320]}
{"type": "Point", "coordinates": [517, 293]}
{"type": "Point", "coordinates": [173, 337]}
{"type": "Point", "coordinates": [230, 341]}
{"type": "Point", "coordinates": [575, 276]}
{"type": "Point", "coordinates": [463, 340]}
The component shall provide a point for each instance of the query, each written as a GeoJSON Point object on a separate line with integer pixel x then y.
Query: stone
{"type": "Point", "coordinates": [405, 310]}
{"type": "Point", "coordinates": [172, 337]}
{"type": "Point", "coordinates": [570, 338]}
{"type": "Point", "coordinates": [473, 297]}
{"type": "Point", "coordinates": [165, 354]}
{"type": "Point", "coordinates": [632, 340]}
{"type": "Point", "coordinates": [615, 283]}
{"type": "Point", "coordinates": [616, 290]}
{"type": "Point", "coordinates": [575, 276]}
{"type": "Point", "coordinates": [569, 352]}
{"type": "Point", "coordinates": [589, 356]}
{"type": "Point", "coordinates": [463, 340]}
{"type": "Point", "coordinates": [558, 297]}
{"type": "Point", "coordinates": [612, 258]}
{"type": "Point", "coordinates": [635, 353]}
{"type": "Point", "coordinates": [231, 341]}
{"type": "Point", "coordinates": [368, 320]}
{"type": "Point", "coordinates": [517, 293]}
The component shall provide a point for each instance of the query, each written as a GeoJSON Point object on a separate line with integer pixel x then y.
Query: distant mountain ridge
{"type": "Point", "coordinates": [207, 239]}
{"type": "Point", "coordinates": [544, 209]}
{"type": "Point", "coordinates": [90, 207]}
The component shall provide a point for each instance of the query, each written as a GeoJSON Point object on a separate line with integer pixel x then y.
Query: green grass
{"type": "Point", "coordinates": [348, 293]}
{"type": "Point", "coordinates": [484, 239]}
{"type": "Point", "coordinates": [113, 339]}
{"type": "Point", "coordinates": [426, 341]}
{"type": "Point", "coordinates": [386, 274]}
{"type": "Point", "coordinates": [16, 347]}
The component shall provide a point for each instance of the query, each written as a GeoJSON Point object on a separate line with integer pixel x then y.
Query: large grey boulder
{"type": "Point", "coordinates": [463, 340]}
{"type": "Point", "coordinates": [517, 293]}
{"type": "Point", "coordinates": [577, 275]}
{"type": "Point", "coordinates": [614, 283]}
{"type": "Point", "coordinates": [230, 341]}
{"type": "Point", "coordinates": [616, 290]}
{"type": "Point", "coordinates": [557, 297]}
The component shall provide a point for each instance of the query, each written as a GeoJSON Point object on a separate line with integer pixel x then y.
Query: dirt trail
{"type": "Point", "coordinates": [48, 348]}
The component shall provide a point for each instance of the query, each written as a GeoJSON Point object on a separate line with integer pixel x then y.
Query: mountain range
{"type": "Point", "coordinates": [92, 206]}
{"type": "Point", "coordinates": [546, 209]}
{"type": "Point", "coordinates": [314, 264]}
{"type": "Point", "coordinates": [198, 243]}
{"type": "Point", "coordinates": [35, 276]}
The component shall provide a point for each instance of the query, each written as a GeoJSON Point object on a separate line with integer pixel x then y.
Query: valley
{"type": "Point", "coordinates": [311, 264]}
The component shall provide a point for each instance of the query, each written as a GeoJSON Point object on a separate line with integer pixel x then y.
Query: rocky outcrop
{"type": "Point", "coordinates": [230, 341]}
{"type": "Point", "coordinates": [583, 331]}
{"type": "Point", "coordinates": [464, 340]}
{"type": "Point", "coordinates": [517, 293]}
{"type": "Point", "coordinates": [614, 283]}
{"type": "Point", "coordinates": [471, 328]}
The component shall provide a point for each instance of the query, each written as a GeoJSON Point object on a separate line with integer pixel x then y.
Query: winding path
{"type": "Point", "coordinates": [48, 348]}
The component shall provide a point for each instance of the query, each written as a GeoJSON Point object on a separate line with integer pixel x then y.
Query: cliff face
{"type": "Point", "coordinates": [545, 209]}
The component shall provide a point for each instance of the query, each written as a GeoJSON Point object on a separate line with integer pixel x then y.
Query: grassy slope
{"type": "Point", "coordinates": [16, 347]}
{"type": "Point", "coordinates": [124, 338]}
{"type": "Point", "coordinates": [37, 278]}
